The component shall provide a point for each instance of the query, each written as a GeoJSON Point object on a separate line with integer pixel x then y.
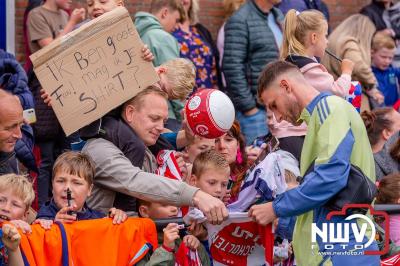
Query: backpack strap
{"type": "Point", "coordinates": [64, 239]}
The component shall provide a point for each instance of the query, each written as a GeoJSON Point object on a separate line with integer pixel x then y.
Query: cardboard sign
{"type": "Point", "coordinates": [93, 69]}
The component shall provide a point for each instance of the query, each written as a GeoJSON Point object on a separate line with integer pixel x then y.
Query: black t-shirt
{"type": "Point", "coordinates": [117, 131]}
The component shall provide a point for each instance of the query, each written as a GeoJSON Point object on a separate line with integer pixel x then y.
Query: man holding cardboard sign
{"type": "Point", "coordinates": [132, 128]}
{"type": "Point", "coordinates": [90, 72]}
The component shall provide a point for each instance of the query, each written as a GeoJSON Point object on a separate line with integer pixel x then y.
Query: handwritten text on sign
{"type": "Point", "coordinates": [100, 68]}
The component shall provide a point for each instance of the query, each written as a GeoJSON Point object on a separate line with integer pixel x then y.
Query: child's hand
{"type": "Point", "coordinates": [24, 226]}
{"type": "Point", "coordinates": [63, 216]}
{"type": "Point", "coordinates": [147, 55]}
{"type": "Point", "coordinates": [78, 15]}
{"type": "Point", "coordinates": [119, 216]}
{"type": "Point", "coordinates": [171, 233]}
{"type": "Point", "coordinates": [181, 164]}
{"type": "Point", "coordinates": [227, 197]}
{"type": "Point", "coordinates": [45, 224]}
{"type": "Point", "coordinates": [376, 95]}
{"type": "Point", "coordinates": [253, 152]}
{"type": "Point", "coordinates": [275, 223]}
{"type": "Point", "coordinates": [290, 249]}
{"type": "Point", "coordinates": [11, 237]}
{"type": "Point", "coordinates": [46, 97]}
{"type": "Point", "coordinates": [198, 231]}
{"type": "Point", "coordinates": [347, 66]}
{"type": "Point", "coordinates": [191, 242]}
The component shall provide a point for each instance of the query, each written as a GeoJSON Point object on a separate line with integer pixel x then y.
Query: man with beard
{"type": "Point", "coordinates": [336, 139]}
{"type": "Point", "coordinates": [11, 120]}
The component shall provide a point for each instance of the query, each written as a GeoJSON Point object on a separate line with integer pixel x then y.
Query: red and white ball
{"type": "Point", "coordinates": [209, 113]}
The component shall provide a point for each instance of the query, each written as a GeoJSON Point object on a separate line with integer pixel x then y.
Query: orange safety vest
{"type": "Point", "coordinates": [90, 242]}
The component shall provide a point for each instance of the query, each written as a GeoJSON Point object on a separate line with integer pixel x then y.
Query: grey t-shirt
{"type": "Point", "coordinates": [43, 23]}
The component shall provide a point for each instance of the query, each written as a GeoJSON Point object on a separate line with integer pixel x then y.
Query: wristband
{"type": "Point", "coordinates": [170, 250]}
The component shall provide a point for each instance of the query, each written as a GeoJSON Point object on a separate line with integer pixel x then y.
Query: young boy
{"type": "Point", "coordinates": [169, 240]}
{"type": "Point", "coordinates": [210, 173]}
{"type": "Point", "coordinates": [177, 78]}
{"type": "Point", "coordinates": [73, 174]}
{"type": "Point", "coordinates": [16, 196]}
{"type": "Point", "coordinates": [383, 50]}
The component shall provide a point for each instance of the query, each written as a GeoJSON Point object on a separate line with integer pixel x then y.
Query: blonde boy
{"type": "Point", "coordinates": [177, 78]}
{"type": "Point", "coordinates": [73, 174]}
{"type": "Point", "coordinates": [169, 238]}
{"type": "Point", "coordinates": [382, 54]}
{"type": "Point", "coordinates": [16, 196]}
{"type": "Point", "coordinates": [210, 173]}
{"type": "Point", "coordinates": [383, 50]}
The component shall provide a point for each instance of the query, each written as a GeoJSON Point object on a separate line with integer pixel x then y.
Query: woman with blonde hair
{"type": "Point", "coordinates": [197, 45]}
{"type": "Point", "coordinates": [352, 40]}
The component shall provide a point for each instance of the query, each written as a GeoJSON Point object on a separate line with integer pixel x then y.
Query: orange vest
{"type": "Point", "coordinates": [91, 242]}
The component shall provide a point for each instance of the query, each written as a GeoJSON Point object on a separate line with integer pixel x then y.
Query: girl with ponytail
{"type": "Point", "coordinates": [304, 44]}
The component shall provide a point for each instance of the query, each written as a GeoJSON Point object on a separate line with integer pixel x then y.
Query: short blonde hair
{"type": "Point", "coordinates": [137, 100]}
{"type": "Point", "coordinates": [208, 159]}
{"type": "Point", "coordinates": [382, 40]}
{"type": "Point", "coordinates": [20, 186]}
{"type": "Point", "coordinates": [296, 27]}
{"type": "Point", "coordinates": [181, 76]}
{"type": "Point", "coordinates": [75, 163]}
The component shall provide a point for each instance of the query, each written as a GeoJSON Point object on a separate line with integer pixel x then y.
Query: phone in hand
{"type": "Point", "coordinates": [29, 115]}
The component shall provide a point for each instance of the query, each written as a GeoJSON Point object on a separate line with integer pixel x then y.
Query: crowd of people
{"type": "Point", "coordinates": [291, 78]}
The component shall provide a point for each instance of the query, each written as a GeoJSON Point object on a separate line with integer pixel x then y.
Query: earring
{"type": "Point", "coordinates": [239, 157]}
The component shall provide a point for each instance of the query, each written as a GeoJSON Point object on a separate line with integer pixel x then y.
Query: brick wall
{"type": "Point", "coordinates": [340, 9]}
{"type": "Point", "coordinates": [211, 14]}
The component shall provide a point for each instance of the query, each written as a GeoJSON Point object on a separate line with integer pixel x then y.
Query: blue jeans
{"type": "Point", "coordinates": [253, 126]}
{"type": "Point", "coordinates": [49, 151]}
{"type": "Point", "coordinates": [47, 157]}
